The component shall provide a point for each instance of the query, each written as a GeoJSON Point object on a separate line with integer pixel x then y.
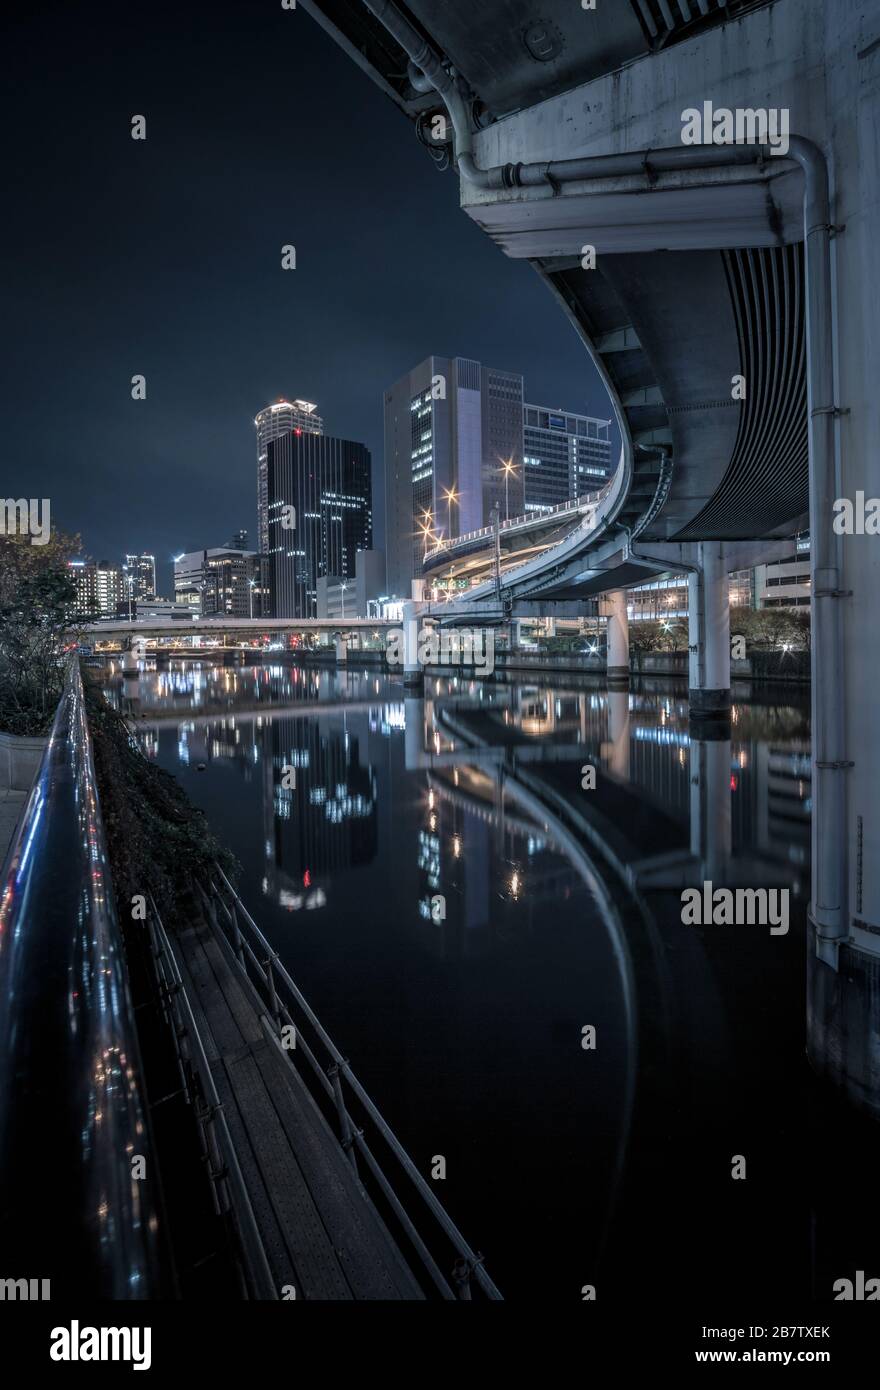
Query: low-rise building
{"type": "Point", "coordinates": [222, 581]}
{"type": "Point", "coordinates": [352, 598]}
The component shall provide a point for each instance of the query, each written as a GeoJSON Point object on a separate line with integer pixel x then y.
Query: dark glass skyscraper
{"type": "Point", "coordinates": [327, 484]}
{"type": "Point", "coordinates": [272, 422]}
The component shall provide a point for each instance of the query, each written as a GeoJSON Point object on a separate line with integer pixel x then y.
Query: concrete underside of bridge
{"type": "Point", "coordinates": [698, 280]}
{"type": "Point", "coordinates": [702, 276]}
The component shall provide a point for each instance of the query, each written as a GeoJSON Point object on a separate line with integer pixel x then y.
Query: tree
{"type": "Point", "coordinates": [772, 627]}
{"type": "Point", "coordinates": [658, 635]}
{"type": "Point", "coordinates": [36, 597]}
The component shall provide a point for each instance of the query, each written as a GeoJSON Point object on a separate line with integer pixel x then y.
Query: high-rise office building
{"type": "Point", "coordinates": [453, 427]}
{"type": "Point", "coordinates": [319, 516]}
{"type": "Point", "coordinates": [239, 541]}
{"type": "Point", "coordinates": [271, 423]}
{"type": "Point", "coordinates": [564, 456]}
{"type": "Point", "coordinates": [141, 570]}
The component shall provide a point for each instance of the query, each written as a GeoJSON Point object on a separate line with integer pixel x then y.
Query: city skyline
{"type": "Point", "coordinates": [460, 865]}
{"type": "Point", "coordinates": [188, 288]}
{"type": "Point", "coordinates": [164, 565]}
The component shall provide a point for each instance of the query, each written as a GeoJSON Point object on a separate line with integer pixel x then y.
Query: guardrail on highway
{"type": "Point", "coordinates": [515, 523]}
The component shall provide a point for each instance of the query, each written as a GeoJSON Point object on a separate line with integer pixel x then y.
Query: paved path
{"type": "Point", "coordinates": [319, 1228]}
{"type": "Point", "coordinates": [11, 807]}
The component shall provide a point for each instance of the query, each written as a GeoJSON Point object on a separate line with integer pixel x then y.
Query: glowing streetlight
{"type": "Point", "coordinates": [449, 496]}
{"type": "Point", "coordinates": [427, 534]}
{"type": "Point", "coordinates": [508, 467]}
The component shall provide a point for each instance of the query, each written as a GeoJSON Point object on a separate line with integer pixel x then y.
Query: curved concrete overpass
{"type": "Point", "coordinates": [672, 309]}
{"type": "Point", "coordinates": [683, 266]}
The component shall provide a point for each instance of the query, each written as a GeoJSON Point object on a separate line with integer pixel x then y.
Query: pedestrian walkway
{"type": "Point", "coordinates": [322, 1235]}
{"type": "Point", "coordinates": [11, 807]}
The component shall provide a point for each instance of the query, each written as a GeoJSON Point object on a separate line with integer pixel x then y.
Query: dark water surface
{"type": "Point", "coordinates": [560, 910]}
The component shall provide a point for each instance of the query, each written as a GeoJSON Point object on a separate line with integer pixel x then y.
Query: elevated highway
{"type": "Point", "coordinates": [211, 627]}
{"type": "Point", "coordinates": [464, 559]}
{"type": "Point", "coordinates": [726, 286]}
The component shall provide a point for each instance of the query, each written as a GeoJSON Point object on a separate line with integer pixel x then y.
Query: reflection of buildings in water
{"type": "Point", "coordinates": [779, 779]}
{"type": "Point", "coordinates": [326, 821]}
{"type": "Point", "coordinates": [219, 740]}
{"type": "Point", "coordinates": [746, 797]}
{"type": "Point", "coordinates": [210, 687]}
{"type": "Point", "coordinates": [148, 742]}
{"type": "Point", "coordinates": [556, 715]}
{"type": "Point", "coordinates": [545, 713]}
{"type": "Point", "coordinates": [388, 719]}
{"type": "Point", "coordinates": [495, 872]}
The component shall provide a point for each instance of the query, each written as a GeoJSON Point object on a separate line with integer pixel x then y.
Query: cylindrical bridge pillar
{"type": "Point", "coordinates": [413, 676]}
{"type": "Point", "coordinates": [134, 651]}
{"type": "Point", "coordinates": [709, 635]}
{"type": "Point", "coordinates": [617, 637]}
{"type": "Point", "coordinates": [711, 805]}
{"type": "Point", "coordinates": [617, 750]}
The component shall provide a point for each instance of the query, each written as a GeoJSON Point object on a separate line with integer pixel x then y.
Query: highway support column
{"type": "Point", "coordinates": [709, 635]}
{"type": "Point", "coordinates": [413, 675]}
{"type": "Point", "coordinates": [617, 638]}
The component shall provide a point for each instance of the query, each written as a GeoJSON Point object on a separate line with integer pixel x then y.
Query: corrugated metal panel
{"type": "Point", "coordinates": [666, 20]}
{"type": "Point", "coordinates": [766, 484]}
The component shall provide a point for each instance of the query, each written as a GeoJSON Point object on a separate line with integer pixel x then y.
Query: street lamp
{"type": "Point", "coordinates": [251, 583]}
{"type": "Point", "coordinates": [507, 466]}
{"type": "Point", "coordinates": [449, 496]}
{"type": "Point", "coordinates": [344, 587]}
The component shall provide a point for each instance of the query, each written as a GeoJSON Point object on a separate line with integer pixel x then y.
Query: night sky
{"type": "Point", "coordinates": [162, 257]}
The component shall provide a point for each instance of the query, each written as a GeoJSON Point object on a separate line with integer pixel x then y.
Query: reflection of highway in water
{"type": "Point", "coordinates": [459, 908]}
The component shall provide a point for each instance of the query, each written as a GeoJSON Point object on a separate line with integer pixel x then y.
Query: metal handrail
{"type": "Point", "coordinates": [71, 1094]}
{"type": "Point", "coordinates": [593, 523]}
{"type": "Point", "coordinates": [231, 1198]}
{"type": "Point", "coordinates": [573, 504]}
{"type": "Point", "coordinates": [281, 992]}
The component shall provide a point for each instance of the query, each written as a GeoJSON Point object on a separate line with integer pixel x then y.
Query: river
{"type": "Point", "coordinates": [480, 894]}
